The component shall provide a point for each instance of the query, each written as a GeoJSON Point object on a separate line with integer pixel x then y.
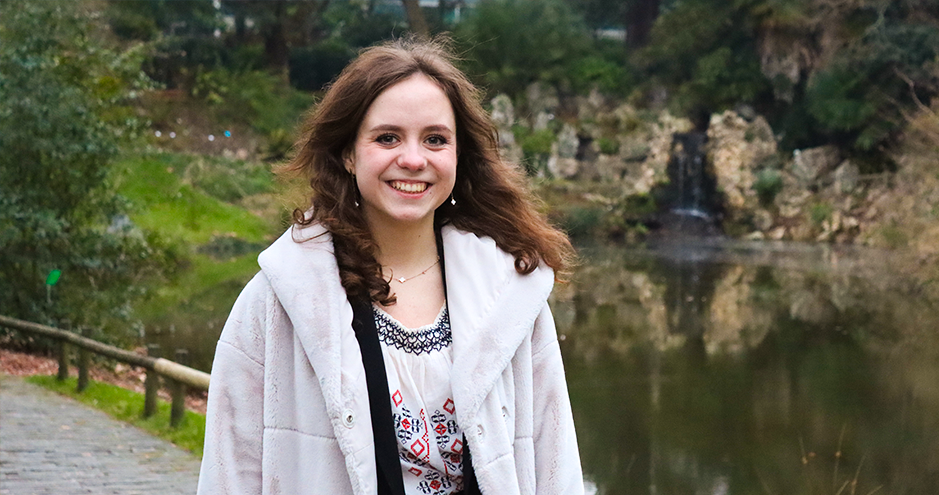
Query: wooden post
{"type": "Point", "coordinates": [178, 409]}
{"type": "Point", "coordinates": [152, 384]}
{"type": "Point", "coordinates": [83, 358]}
{"type": "Point", "coordinates": [62, 351]}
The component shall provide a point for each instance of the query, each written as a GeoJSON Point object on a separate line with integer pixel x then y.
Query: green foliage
{"type": "Point", "coordinates": [861, 95]}
{"type": "Point", "coordinates": [536, 147]}
{"type": "Point", "coordinates": [582, 222]}
{"type": "Point", "coordinates": [346, 28]}
{"type": "Point", "coordinates": [608, 146]}
{"type": "Point", "coordinates": [705, 51]}
{"type": "Point", "coordinates": [145, 20]}
{"type": "Point", "coordinates": [218, 241]}
{"type": "Point", "coordinates": [820, 212]}
{"type": "Point", "coordinates": [163, 203]}
{"type": "Point", "coordinates": [313, 67]}
{"type": "Point", "coordinates": [255, 98]}
{"type": "Point", "coordinates": [64, 113]}
{"type": "Point", "coordinates": [513, 43]}
{"type": "Point", "coordinates": [126, 405]}
{"type": "Point", "coordinates": [767, 185]}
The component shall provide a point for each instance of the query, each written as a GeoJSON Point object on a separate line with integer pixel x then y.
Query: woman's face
{"type": "Point", "coordinates": [405, 155]}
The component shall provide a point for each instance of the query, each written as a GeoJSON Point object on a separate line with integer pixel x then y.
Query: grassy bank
{"type": "Point", "coordinates": [127, 406]}
{"type": "Point", "coordinates": [214, 214]}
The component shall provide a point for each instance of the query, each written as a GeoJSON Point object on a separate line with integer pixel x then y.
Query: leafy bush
{"type": "Point", "coordinates": [608, 146]}
{"type": "Point", "coordinates": [860, 96]}
{"type": "Point", "coordinates": [603, 69]}
{"type": "Point", "coordinates": [767, 185]}
{"type": "Point", "coordinates": [536, 146]}
{"type": "Point", "coordinates": [820, 212]}
{"type": "Point", "coordinates": [64, 114]}
{"type": "Point", "coordinates": [254, 99]}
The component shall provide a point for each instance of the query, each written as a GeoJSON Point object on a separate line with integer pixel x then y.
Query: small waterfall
{"type": "Point", "coordinates": [689, 205]}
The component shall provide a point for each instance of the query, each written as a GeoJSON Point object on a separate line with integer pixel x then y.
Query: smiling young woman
{"type": "Point", "coordinates": [398, 339]}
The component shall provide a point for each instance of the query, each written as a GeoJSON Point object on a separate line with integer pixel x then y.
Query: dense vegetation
{"type": "Point", "coordinates": [139, 232]}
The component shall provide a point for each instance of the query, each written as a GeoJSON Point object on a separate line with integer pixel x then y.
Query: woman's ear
{"type": "Point", "coordinates": [348, 161]}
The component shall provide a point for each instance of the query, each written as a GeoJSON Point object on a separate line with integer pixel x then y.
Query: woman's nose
{"type": "Point", "coordinates": [412, 157]}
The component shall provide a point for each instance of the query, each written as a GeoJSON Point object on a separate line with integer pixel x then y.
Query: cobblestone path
{"type": "Point", "coordinates": [51, 444]}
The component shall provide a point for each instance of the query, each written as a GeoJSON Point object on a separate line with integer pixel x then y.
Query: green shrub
{"type": "Point", "coordinates": [582, 221]}
{"type": "Point", "coordinates": [608, 146]}
{"type": "Point", "coordinates": [863, 93]}
{"type": "Point", "coordinates": [595, 71]}
{"type": "Point", "coordinates": [820, 212]}
{"type": "Point", "coordinates": [767, 185]}
{"type": "Point", "coordinates": [65, 112]}
{"type": "Point", "coordinates": [536, 147]}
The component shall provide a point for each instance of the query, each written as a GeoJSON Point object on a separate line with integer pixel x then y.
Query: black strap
{"type": "Point", "coordinates": [388, 464]}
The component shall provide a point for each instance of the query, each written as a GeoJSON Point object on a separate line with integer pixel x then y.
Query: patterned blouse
{"type": "Point", "coordinates": [430, 443]}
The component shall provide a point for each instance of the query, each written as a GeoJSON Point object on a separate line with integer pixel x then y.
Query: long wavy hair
{"type": "Point", "coordinates": [492, 196]}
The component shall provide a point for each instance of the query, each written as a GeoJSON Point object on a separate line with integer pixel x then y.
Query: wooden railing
{"type": "Point", "coordinates": [179, 375]}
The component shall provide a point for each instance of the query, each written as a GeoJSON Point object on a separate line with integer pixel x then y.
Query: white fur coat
{"type": "Point", "coordinates": [288, 405]}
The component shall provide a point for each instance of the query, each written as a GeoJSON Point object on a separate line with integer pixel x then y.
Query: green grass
{"type": "Point", "coordinates": [182, 199]}
{"type": "Point", "coordinates": [164, 203]}
{"type": "Point", "coordinates": [127, 406]}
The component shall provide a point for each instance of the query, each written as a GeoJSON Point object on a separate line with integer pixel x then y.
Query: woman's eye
{"type": "Point", "coordinates": [436, 140]}
{"type": "Point", "coordinates": [386, 139]}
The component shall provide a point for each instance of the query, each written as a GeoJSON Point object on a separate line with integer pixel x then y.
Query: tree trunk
{"type": "Point", "coordinates": [416, 17]}
{"type": "Point", "coordinates": [639, 20]}
{"type": "Point", "coordinates": [275, 41]}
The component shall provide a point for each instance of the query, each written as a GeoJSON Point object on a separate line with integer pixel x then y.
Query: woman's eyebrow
{"type": "Point", "coordinates": [397, 128]}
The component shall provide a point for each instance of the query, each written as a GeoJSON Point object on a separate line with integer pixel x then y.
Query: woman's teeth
{"type": "Point", "coordinates": [409, 187]}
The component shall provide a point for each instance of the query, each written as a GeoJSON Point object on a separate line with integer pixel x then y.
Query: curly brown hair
{"type": "Point", "coordinates": [493, 197]}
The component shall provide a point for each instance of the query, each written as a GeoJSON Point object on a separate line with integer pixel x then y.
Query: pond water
{"type": "Point", "coordinates": [718, 367]}
{"type": "Point", "coordinates": [735, 368]}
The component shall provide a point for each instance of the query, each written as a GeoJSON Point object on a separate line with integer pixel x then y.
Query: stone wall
{"type": "Point", "coordinates": [810, 195]}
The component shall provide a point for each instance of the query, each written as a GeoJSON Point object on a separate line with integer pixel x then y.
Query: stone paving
{"type": "Point", "coordinates": [53, 445]}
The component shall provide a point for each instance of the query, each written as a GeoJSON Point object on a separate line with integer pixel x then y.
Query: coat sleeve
{"type": "Point", "coordinates": [557, 460]}
{"type": "Point", "coordinates": [231, 461]}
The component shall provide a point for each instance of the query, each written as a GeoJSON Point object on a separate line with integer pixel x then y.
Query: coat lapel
{"type": "Point", "coordinates": [305, 277]}
{"type": "Point", "coordinates": [492, 310]}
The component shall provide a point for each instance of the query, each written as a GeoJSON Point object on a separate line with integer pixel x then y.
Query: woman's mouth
{"type": "Point", "coordinates": [408, 187]}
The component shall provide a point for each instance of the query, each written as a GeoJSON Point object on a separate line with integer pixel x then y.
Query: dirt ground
{"type": "Point", "coordinates": [22, 364]}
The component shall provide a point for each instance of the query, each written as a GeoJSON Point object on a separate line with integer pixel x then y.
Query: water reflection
{"type": "Point", "coordinates": [750, 369]}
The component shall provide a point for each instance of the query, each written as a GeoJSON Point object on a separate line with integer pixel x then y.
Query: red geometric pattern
{"type": "Point", "coordinates": [449, 406]}
{"type": "Point", "coordinates": [425, 436]}
{"type": "Point", "coordinates": [396, 397]}
{"type": "Point", "coordinates": [415, 471]}
{"type": "Point", "coordinates": [418, 447]}
{"type": "Point", "coordinates": [440, 428]}
{"type": "Point", "coordinates": [457, 446]}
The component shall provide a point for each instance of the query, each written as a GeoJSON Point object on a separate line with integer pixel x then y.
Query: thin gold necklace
{"type": "Point", "coordinates": [402, 280]}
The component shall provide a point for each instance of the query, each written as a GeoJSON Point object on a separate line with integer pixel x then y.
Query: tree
{"type": "Point", "coordinates": [705, 53]}
{"type": "Point", "coordinates": [635, 16]}
{"type": "Point", "coordinates": [416, 19]}
{"type": "Point", "coordinates": [513, 43]}
{"type": "Point", "coordinates": [281, 24]}
{"type": "Point", "coordinates": [63, 117]}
